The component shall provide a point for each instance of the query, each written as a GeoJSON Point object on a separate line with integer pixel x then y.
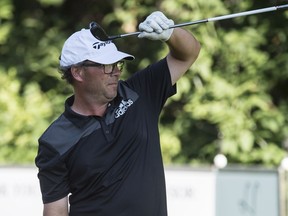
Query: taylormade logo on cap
{"type": "Point", "coordinates": [82, 45]}
{"type": "Point", "coordinates": [98, 45]}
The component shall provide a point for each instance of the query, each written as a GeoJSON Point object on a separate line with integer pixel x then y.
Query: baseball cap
{"type": "Point", "coordinates": [82, 45]}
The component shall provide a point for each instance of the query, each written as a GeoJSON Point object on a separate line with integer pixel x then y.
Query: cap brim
{"type": "Point", "coordinates": [111, 57]}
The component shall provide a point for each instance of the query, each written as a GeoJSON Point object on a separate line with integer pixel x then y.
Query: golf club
{"type": "Point", "coordinates": [100, 34]}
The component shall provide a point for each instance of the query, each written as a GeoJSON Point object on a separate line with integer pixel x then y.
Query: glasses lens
{"type": "Point", "coordinates": [110, 68]}
{"type": "Point", "coordinates": [120, 65]}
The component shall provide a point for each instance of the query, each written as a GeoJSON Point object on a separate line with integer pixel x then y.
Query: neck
{"type": "Point", "coordinates": [87, 107]}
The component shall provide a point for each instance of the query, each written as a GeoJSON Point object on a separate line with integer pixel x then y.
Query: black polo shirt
{"type": "Point", "coordinates": [110, 165]}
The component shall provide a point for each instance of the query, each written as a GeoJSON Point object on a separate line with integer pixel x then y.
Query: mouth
{"type": "Point", "coordinates": [114, 84]}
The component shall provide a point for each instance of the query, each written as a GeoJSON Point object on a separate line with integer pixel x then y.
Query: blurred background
{"type": "Point", "coordinates": [233, 101]}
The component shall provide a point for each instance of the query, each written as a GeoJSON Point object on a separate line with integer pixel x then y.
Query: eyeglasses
{"type": "Point", "coordinates": [108, 68]}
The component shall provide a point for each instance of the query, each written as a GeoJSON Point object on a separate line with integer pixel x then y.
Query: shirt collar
{"type": "Point", "coordinates": [82, 120]}
{"type": "Point", "coordinates": [76, 118]}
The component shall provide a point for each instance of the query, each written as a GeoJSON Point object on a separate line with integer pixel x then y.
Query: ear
{"type": "Point", "coordinates": [77, 73]}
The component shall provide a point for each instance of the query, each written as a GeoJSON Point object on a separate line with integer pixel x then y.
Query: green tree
{"type": "Point", "coordinates": [233, 100]}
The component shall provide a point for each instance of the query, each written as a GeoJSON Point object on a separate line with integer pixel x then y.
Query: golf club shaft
{"type": "Point", "coordinates": [212, 19]}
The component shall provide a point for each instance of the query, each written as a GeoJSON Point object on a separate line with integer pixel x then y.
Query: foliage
{"type": "Point", "coordinates": [233, 99]}
{"type": "Point", "coordinates": [21, 118]}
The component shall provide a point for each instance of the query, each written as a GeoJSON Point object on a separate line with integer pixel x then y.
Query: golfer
{"type": "Point", "coordinates": [102, 156]}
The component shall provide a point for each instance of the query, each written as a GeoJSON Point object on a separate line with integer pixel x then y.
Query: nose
{"type": "Point", "coordinates": [116, 72]}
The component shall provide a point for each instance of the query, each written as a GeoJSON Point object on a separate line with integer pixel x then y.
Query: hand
{"type": "Point", "coordinates": [156, 27]}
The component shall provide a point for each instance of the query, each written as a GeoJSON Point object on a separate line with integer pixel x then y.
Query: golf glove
{"type": "Point", "coordinates": [156, 27]}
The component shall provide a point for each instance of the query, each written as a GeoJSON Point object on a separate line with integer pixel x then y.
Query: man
{"type": "Point", "coordinates": [104, 150]}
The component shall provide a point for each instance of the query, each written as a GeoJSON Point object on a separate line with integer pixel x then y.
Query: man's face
{"type": "Point", "coordinates": [100, 82]}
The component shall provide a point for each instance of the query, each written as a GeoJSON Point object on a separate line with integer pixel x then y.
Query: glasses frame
{"type": "Point", "coordinates": [119, 65]}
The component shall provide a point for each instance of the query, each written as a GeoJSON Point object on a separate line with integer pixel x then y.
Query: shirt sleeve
{"type": "Point", "coordinates": [53, 174]}
{"type": "Point", "coordinates": [154, 83]}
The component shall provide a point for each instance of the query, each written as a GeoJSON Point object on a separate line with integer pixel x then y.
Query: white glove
{"type": "Point", "coordinates": [156, 27]}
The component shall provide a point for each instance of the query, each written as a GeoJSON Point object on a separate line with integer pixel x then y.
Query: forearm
{"type": "Point", "coordinates": [184, 50]}
{"type": "Point", "coordinates": [183, 46]}
{"type": "Point", "coordinates": [57, 208]}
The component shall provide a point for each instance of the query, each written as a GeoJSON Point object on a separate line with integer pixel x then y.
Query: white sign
{"type": "Point", "coordinates": [190, 192]}
{"type": "Point", "coordinates": [20, 192]}
{"type": "Point", "coordinates": [247, 193]}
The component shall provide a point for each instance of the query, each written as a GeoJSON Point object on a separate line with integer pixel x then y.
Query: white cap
{"type": "Point", "coordinates": [82, 45]}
